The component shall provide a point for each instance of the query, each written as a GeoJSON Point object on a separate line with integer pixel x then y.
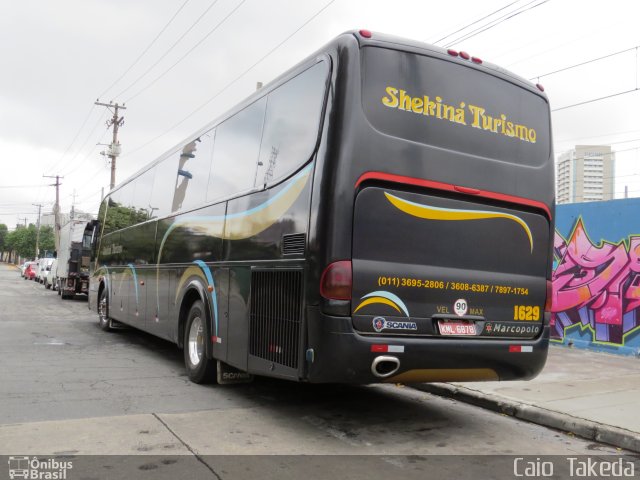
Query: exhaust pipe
{"type": "Point", "coordinates": [385, 366]}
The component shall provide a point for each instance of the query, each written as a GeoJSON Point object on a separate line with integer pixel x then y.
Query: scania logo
{"type": "Point", "coordinates": [379, 324]}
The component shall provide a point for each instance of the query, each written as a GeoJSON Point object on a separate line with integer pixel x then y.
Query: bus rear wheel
{"type": "Point", "coordinates": [199, 368]}
{"type": "Point", "coordinates": [103, 311]}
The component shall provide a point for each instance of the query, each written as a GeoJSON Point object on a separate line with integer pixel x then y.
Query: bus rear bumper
{"type": "Point", "coordinates": [342, 355]}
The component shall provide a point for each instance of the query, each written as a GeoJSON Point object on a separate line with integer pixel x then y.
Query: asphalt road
{"type": "Point", "coordinates": [68, 388]}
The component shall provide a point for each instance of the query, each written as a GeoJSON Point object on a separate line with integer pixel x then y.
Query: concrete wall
{"type": "Point", "coordinates": [596, 277]}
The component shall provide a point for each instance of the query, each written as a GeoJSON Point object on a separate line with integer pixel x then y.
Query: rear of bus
{"type": "Point", "coordinates": [436, 219]}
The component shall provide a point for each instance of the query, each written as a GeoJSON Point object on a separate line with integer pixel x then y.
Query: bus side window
{"type": "Point", "coordinates": [164, 185]}
{"type": "Point", "coordinates": [142, 209]}
{"type": "Point", "coordinates": [192, 176]}
{"type": "Point", "coordinates": [292, 124]}
{"type": "Point", "coordinates": [235, 154]}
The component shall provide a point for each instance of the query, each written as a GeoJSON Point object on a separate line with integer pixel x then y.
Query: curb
{"type": "Point", "coordinates": [581, 427]}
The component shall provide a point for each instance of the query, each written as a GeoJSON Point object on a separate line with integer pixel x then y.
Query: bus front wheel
{"type": "Point", "coordinates": [199, 368]}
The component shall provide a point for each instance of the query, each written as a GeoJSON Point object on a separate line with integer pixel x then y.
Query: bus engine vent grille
{"type": "Point", "coordinates": [276, 311]}
{"type": "Point", "coordinates": [293, 243]}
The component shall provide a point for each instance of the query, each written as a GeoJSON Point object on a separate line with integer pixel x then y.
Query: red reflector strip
{"type": "Point", "coordinates": [215, 339]}
{"type": "Point", "coordinates": [387, 348]}
{"type": "Point", "coordinates": [420, 182]}
{"type": "Point", "coordinates": [520, 349]}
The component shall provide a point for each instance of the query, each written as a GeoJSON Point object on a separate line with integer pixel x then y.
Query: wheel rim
{"type": "Point", "coordinates": [102, 310]}
{"type": "Point", "coordinates": [196, 341]}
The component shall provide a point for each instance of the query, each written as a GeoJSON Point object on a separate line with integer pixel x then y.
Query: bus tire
{"type": "Point", "coordinates": [199, 368]}
{"type": "Point", "coordinates": [103, 311]}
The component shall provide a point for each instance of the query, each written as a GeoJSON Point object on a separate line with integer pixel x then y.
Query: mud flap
{"type": "Point", "coordinates": [226, 374]}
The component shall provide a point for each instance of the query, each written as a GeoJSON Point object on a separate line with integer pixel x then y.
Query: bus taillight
{"type": "Point", "coordinates": [549, 302]}
{"type": "Point", "coordinates": [336, 281]}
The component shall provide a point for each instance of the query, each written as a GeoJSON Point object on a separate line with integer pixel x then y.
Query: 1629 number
{"type": "Point", "coordinates": [526, 313]}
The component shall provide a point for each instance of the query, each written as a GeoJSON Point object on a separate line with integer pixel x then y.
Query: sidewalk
{"type": "Point", "coordinates": [591, 394]}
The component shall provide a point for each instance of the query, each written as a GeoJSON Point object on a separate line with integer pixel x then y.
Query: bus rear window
{"type": "Point", "coordinates": [448, 105]}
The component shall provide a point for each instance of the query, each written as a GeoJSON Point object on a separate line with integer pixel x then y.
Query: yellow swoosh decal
{"type": "Point", "coordinates": [434, 213]}
{"type": "Point", "coordinates": [382, 300]}
{"type": "Point", "coordinates": [245, 224]}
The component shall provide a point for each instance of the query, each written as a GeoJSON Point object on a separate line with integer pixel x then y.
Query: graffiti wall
{"type": "Point", "coordinates": [596, 277]}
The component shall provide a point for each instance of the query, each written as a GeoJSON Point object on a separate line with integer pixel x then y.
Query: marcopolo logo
{"type": "Point", "coordinates": [36, 469]}
{"type": "Point", "coordinates": [380, 324]}
{"type": "Point", "coordinates": [509, 330]}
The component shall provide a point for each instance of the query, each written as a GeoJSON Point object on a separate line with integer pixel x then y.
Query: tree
{"type": "Point", "coordinates": [47, 242]}
{"type": "Point", "coordinates": [4, 232]}
{"type": "Point", "coordinates": [23, 241]}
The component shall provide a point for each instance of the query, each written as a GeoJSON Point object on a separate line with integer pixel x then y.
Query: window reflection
{"type": "Point", "coordinates": [142, 196]}
{"type": "Point", "coordinates": [192, 176]}
{"type": "Point", "coordinates": [163, 186]}
{"type": "Point", "coordinates": [258, 145]}
{"type": "Point", "coordinates": [235, 155]}
{"type": "Point", "coordinates": [291, 124]}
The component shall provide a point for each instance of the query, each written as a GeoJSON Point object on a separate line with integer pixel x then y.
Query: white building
{"type": "Point", "coordinates": [585, 174]}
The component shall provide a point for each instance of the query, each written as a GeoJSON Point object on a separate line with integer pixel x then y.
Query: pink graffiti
{"type": "Point", "coordinates": [596, 285]}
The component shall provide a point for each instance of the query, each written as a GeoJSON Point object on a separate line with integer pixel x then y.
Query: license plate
{"type": "Point", "coordinates": [457, 328]}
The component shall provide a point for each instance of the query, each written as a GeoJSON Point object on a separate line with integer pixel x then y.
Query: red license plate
{"type": "Point", "coordinates": [457, 328]}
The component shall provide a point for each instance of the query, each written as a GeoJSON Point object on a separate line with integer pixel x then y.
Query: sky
{"type": "Point", "coordinates": [177, 65]}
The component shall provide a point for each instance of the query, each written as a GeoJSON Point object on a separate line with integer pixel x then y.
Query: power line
{"type": "Point", "coordinates": [556, 46]}
{"type": "Point", "coordinates": [145, 50]}
{"type": "Point", "coordinates": [610, 134]}
{"type": "Point", "coordinates": [20, 204]}
{"type": "Point", "coordinates": [473, 23]}
{"type": "Point", "coordinates": [87, 156]}
{"type": "Point", "coordinates": [93, 129]}
{"type": "Point", "coordinates": [497, 22]}
{"type": "Point", "coordinates": [584, 63]}
{"type": "Point", "coordinates": [604, 154]}
{"type": "Point", "coordinates": [186, 54]}
{"type": "Point", "coordinates": [234, 80]}
{"type": "Point", "coordinates": [168, 50]}
{"type": "Point", "coordinates": [595, 100]}
{"type": "Point", "coordinates": [84, 122]}
{"type": "Point", "coordinates": [24, 186]}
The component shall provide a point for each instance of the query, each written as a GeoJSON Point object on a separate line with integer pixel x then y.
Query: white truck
{"type": "Point", "coordinates": [74, 257]}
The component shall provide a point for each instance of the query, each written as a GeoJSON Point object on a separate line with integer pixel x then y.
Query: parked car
{"type": "Point", "coordinates": [44, 264]}
{"type": "Point", "coordinates": [30, 272]}
{"type": "Point", "coordinates": [23, 268]}
{"type": "Point", "coordinates": [51, 279]}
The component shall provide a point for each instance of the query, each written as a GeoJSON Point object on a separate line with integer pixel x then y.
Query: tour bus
{"type": "Point", "coordinates": [381, 212]}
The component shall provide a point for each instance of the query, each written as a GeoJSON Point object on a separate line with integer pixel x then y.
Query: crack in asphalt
{"type": "Point", "coordinates": [188, 447]}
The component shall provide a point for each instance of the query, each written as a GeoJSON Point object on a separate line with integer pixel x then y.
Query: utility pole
{"type": "Point", "coordinates": [73, 205]}
{"type": "Point", "coordinates": [114, 148]}
{"type": "Point", "coordinates": [56, 209]}
{"type": "Point", "coordinates": [38, 230]}
{"type": "Point", "coordinates": [23, 218]}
